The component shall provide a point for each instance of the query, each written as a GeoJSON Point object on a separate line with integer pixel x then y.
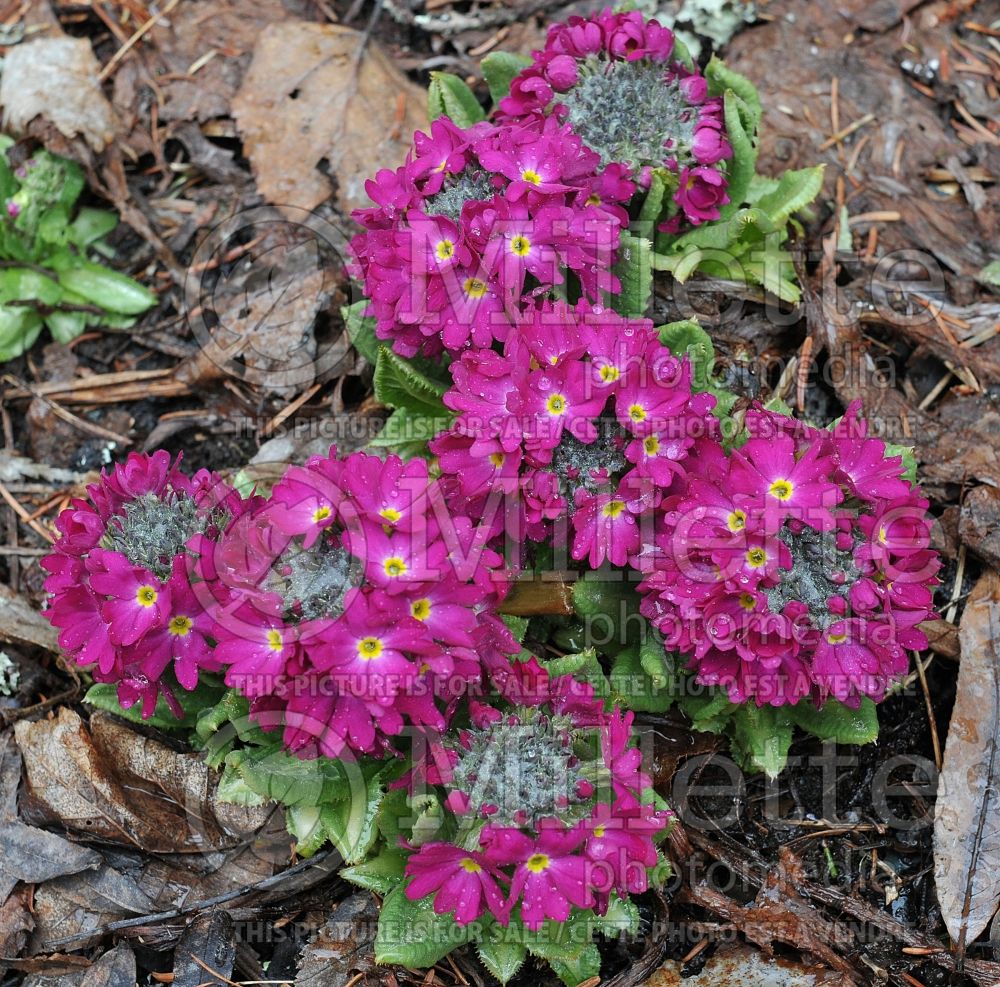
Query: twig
{"type": "Point", "coordinates": [131, 42]}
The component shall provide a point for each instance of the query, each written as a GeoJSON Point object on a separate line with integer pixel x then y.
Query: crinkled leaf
{"type": "Point", "coordinates": [742, 164]}
{"type": "Point", "coordinates": [708, 709]}
{"type": "Point", "coordinates": [104, 695]}
{"type": "Point", "coordinates": [380, 874]}
{"type": "Point", "coordinates": [633, 687]}
{"type": "Point", "coordinates": [794, 191]}
{"type": "Point", "coordinates": [232, 788]}
{"type": "Point", "coordinates": [837, 722]}
{"type": "Point", "coordinates": [399, 384]}
{"type": "Point", "coordinates": [761, 737]}
{"type": "Point", "coordinates": [502, 959]}
{"type": "Point", "coordinates": [720, 78]}
{"type": "Point", "coordinates": [278, 775]}
{"type": "Point", "coordinates": [635, 272]}
{"type": "Point", "coordinates": [361, 330]}
{"type": "Point", "coordinates": [688, 338]}
{"type": "Point", "coordinates": [518, 626]}
{"type": "Point", "coordinates": [412, 935]}
{"type": "Point", "coordinates": [652, 205]}
{"type": "Point", "coordinates": [350, 822]}
{"type": "Point", "coordinates": [909, 458]}
{"type": "Point", "coordinates": [406, 432]}
{"type": "Point", "coordinates": [305, 823]}
{"type": "Point", "coordinates": [499, 69]}
{"type": "Point", "coordinates": [449, 96]}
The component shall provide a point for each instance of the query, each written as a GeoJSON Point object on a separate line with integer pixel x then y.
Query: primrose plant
{"type": "Point", "coordinates": [48, 244]}
{"type": "Point", "coordinates": [435, 657]}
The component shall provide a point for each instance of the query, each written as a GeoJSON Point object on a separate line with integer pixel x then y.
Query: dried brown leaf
{"type": "Point", "coordinates": [748, 968]}
{"type": "Point", "coordinates": [21, 623]}
{"type": "Point", "coordinates": [315, 102]}
{"type": "Point", "coordinates": [967, 815]}
{"type": "Point", "coordinates": [56, 78]}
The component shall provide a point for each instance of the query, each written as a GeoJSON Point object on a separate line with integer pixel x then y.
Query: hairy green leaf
{"type": "Point", "coordinates": [634, 270]}
{"type": "Point", "coordinates": [449, 96]}
{"type": "Point", "coordinates": [838, 722]}
{"type": "Point", "coordinates": [499, 69]}
{"type": "Point", "coordinates": [412, 935]}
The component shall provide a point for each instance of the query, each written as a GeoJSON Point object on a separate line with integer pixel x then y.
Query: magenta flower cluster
{"type": "Point", "coordinates": [545, 790]}
{"type": "Point", "coordinates": [572, 435]}
{"type": "Point", "coordinates": [798, 566]}
{"type": "Point", "coordinates": [615, 78]}
{"type": "Point", "coordinates": [122, 578]}
{"type": "Point", "coordinates": [349, 604]}
{"type": "Point", "coordinates": [479, 218]}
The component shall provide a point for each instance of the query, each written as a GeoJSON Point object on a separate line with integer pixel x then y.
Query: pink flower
{"type": "Point", "coordinates": [135, 600]}
{"type": "Point", "coordinates": [701, 193]}
{"type": "Point", "coordinates": [465, 882]}
{"type": "Point", "coordinates": [550, 875]}
{"type": "Point", "coordinates": [605, 528]}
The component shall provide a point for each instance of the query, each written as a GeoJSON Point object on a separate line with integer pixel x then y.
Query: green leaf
{"type": "Point", "coordinates": [518, 626]}
{"type": "Point", "coordinates": [108, 289]}
{"type": "Point", "coordinates": [634, 688]}
{"type": "Point", "coordinates": [908, 455]}
{"type": "Point", "coordinates": [398, 384]}
{"type": "Point", "coordinates": [66, 326]}
{"type": "Point", "coordinates": [282, 777]}
{"type": "Point", "coordinates": [502, 959]}
{"type": "Point", "coordinates": [350, 822]}
{"type": "Point", "coordinates": [406, 432]}
{"type": "Point", "coordinates": [769, 271]}
{"type": "Point", "coordinates": [361, 330]}
{"type": "Point", "coordinates": [412, 935]}
{"type": "Point", "coordinates": [27, 284]}
{"type": "Point", "coordinates": [635, 271]}
{"type": "Point", "coordinates": [305, 823]}
{"type": "Point", "coordinates": [708, 709]}
{"type": "Point", "coordinates": [688, 338]}
{"type": "Point", "coordinates": [91, 225]}
{"type": "Point", "coordinates": [380, 874]}
{"type": "Point", "coordinates": [794, 191]}
{"type": "Point", "coordinates": [499, 69]}
{"type": "Point", "coordinates": [652, 205]}
{"type": "Point", "coordinates": [567, 948]}
{"type": "Point", "coordinates": [235, 791]}
{"type": "Point", "coordinates": [448, 95]}
{"type": "Point", "coordinates": [762, 736]}
{"type": "Point", "coordinates": [720, 78]}
{"type": "Point", "coordinates": [990, 274]}
{"type": "Point", "coordinates": [104, 695]}
{"type": "Point", "coordinates": [743, 163]}
{"type": "Point", "coordinates": [838, 722]}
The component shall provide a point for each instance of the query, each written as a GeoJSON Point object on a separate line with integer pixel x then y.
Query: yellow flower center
{"type": "Point", "coordinates": [274, 641]}
{"type": "Point", "coordinates": [537, 863]}
{"type": "Point", "coordinates": [599, 831]}
{"type": "Point", "coordinates": [593, 200]}
{"type": "Point", "coordinates": [496, 458]}
{"type": "Point", "coordinates": [474, 287]}
{"type": "Point", "coordinates": [531, 176]}
{"type": "Point", "coordinates": [390, 514]}
{"type": "Point", "coordinates": [394, 566]}
{"type": "Point", "coordinates": [736, 521]}
{"type": "Point", "coordinates": [369, 648]}
{"type": "Point", "coordinates": [836, 638]}
{"type": "Point", "coordinates": [756, 557]}
{"type": "Point", "coordinates": [883, 535]}
{"type": "Point", "coordinates": [747, 601]}
{"type": "Point", "coordinates": [782, 489]}
{"type": "Point", "coordinates": [651, 444]}
{"type": "Point", "coordinates": [610, 374]}
{"type": "Point", "coordinates": [613, 508]}
{"type": "Point", "coordinates": [520, 245]}
{"type": "Point", "coordinates": [145, 596]}
{"type": "Point", "coordinates": [469, 865]}
{"type": "Point", "coordinates": [321, 514]}
{"type": "Point", "coordinates": [421, 609]}
{"type": "Point", "coordinates": [444, 249]}
{"type": "Point", "coordinates": [180, 626]}
{"type": "Point", "coordinates": [637, 413]}
{"type": "Point", "coordinates": [443, 165]}
{"type": "Point", "coordinates": [556, 404]}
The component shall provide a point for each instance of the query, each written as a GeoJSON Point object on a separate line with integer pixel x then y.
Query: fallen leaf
{"type": "Point", "coordinates": [83, 903]}
{"type": "Point", "coordinates": [115, 968]}
{"type": "Point", "coordinates": [21, 623]}
{"type": "Point", "coordinates": [979, 523]}
{"type": "Point", "coordinates": [114, 784]}
{"type": "Point", "coordinates": [317, 101]}
{"type": "Point", "coordinates": [343, 946]}
{"type": "Point", "coordinates": [33, 856]}
{"type": "Point", "coordinates": [16, 924]}
{"type": "Point", "coordinates": [748, 968]}
{"type": "Point", "coordinates": [967, 813]}
{"type": "Point", "coordinates": [57, 79]}
{"type": "Point", "coordinates": [208, 938]}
